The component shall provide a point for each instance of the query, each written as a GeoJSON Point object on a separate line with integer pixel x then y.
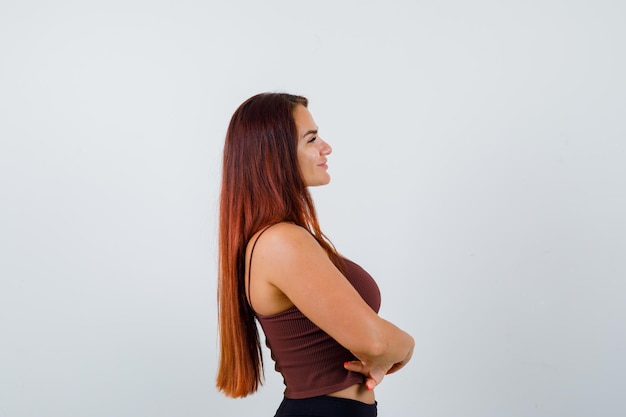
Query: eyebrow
{"type": "Point", "coordinates": [310, 132]}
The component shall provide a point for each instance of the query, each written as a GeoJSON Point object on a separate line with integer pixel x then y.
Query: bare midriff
{"type": "Point", "coordinates": [356, 392]}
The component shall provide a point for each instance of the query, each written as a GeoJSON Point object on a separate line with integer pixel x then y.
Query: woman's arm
{"type": "Point", "coordinates": [375, 368]}
{"type": "Point", "coordinates": [288, 258]}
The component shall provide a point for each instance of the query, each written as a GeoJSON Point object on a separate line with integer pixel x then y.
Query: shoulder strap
{"type": "Point", "coordinates": [249, 294]}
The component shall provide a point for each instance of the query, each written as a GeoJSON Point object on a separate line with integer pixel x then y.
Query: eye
{"type": "Point", "coordinates": [312, 139]}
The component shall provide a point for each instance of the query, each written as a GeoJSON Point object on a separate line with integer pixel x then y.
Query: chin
{"type": "Point", "coordinates": [318, 183]}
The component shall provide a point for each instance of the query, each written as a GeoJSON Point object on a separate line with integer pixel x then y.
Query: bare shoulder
{"type": "Point", "coordinates": [283, 240]}
{"type": "Point", "coordinates": [282, 254]}
{"type": "Point", "coordinates": [285, 254]}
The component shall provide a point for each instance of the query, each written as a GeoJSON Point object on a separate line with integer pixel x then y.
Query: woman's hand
{"type": "Point", "coordinates": [400, 365]}
{"type": "Point", "coordinates": [373, 374]}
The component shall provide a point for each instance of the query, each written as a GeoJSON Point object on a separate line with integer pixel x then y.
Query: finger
{"type": "Point", "coordinates": [370, 383]}
{"type": "Point", "coordinates": [377, 375]}
{"type": "Point", "coordinates": [354, 366]}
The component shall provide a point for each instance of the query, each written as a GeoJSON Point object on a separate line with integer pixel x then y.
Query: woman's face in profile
{"type": "Point", "coordinates": [312, 150]}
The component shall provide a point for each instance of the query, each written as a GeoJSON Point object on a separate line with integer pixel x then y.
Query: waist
{"type": "Point", "coordinates": [357, 392]}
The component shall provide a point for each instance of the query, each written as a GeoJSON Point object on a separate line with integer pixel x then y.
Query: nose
{"type": "Point", "coordinates": [326, 148]}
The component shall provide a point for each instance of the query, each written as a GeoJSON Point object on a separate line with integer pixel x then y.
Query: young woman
{"type": "Point", "coordinates": [317, 309]}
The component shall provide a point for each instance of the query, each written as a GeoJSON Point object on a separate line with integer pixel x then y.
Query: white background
{"type": "Point", "coordinates": [478, 174]}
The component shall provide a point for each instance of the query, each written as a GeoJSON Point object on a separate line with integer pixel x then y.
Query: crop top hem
{"type": "Point", "coordinates": [354, 378]}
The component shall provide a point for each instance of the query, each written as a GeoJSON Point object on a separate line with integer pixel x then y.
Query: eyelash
{"type": "Point", "coordinates": [312, 139]}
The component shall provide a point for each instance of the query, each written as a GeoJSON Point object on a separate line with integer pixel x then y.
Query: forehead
{"type": "Point", "coordinates": [304, 120]}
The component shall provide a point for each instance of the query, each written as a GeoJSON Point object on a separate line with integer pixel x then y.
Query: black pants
{"type": "Point", "coordinates": [325, 406]}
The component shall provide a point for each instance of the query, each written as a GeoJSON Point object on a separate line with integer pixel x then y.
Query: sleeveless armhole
{"type": "Point", "coordinates": [249, 293]}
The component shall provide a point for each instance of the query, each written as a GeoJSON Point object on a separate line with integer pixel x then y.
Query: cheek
{"type": "Point", "coordinates": [304, 158]}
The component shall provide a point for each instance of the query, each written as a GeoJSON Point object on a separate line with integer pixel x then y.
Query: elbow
{"type": "Point", "coordinates": [385, 342]}
{"type": "Point", "coordinates": [377, 348]}
{"type": "Point", "coordinates": [380, 346]}
{"type": "Point", "coordinates": [394, 347]}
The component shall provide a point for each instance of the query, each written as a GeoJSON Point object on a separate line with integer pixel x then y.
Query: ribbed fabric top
{"type": "Point", "coordinates": [310, 361]}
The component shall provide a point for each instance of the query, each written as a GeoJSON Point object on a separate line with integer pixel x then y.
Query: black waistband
{"type": "Point", "coordinates": [325, 406]}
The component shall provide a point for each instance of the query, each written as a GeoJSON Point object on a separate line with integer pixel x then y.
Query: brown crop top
{"type": "Point", "coordinates": [310, 361]}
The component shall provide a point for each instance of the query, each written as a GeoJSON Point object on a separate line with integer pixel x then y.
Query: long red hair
{"type": "Point", "coordinates": [261, 185]}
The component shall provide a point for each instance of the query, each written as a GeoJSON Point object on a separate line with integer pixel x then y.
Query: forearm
{"type": "Point", "coordinates": [385, 356]}
{"type": "Point", "coordinates": [388, 345]}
